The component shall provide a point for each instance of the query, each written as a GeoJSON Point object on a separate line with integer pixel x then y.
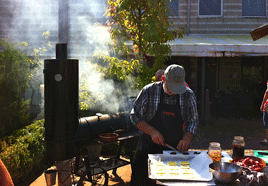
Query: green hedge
{"type": "Point", "coordinates": [24, 150]}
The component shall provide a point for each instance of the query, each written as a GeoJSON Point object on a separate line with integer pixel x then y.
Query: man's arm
{"type": "Point", "coordinates": [191, 119]}
{"type": "Point", "coordinates": [156, 136]}
{"type": "Point", "coordinates": [188, 137]}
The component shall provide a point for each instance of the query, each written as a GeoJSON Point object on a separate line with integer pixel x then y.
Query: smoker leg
{"type": "Point", "coordinates": [129, 149]}
{"type": "Point", "coordinates": [76, 164]}
{"type": "Point", "coordinates": [121, 143]}
{"type": "Point", "coordinates": [88, 168]}
{"type": "Point", "coordinates": [82, 178]}
{"type": "Point", "coordinates": [106, 178]}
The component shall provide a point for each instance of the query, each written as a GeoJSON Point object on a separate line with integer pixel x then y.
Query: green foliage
{"type": "Point", "coordinates": [15, 75]}
{"type": "Point", "coordinates": [86, 99]}
{"type": "Point", "coordinates": [18, 73]}
{"type": "Point", "coordinates": [117, 69]}
{"type": "Point", "coordinates": [146, 24]}
{"type": "Point", "coordinates": [24, 150]}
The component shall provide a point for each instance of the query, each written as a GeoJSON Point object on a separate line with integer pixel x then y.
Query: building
{"type": "Point", "coordinates": [218, 53]}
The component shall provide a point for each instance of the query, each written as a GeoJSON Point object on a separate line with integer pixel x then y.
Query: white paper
{"type": "Point", "coordinates": [199, 163]}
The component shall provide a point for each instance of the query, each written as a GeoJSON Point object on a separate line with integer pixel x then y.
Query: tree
{"type": "Point", "coordinates": [15, 75]}
{"type": "Point", "coordinates": [146, 24]}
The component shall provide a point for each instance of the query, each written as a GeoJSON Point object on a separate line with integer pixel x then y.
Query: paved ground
{"type": "Point", "coordinates": [221, 130]}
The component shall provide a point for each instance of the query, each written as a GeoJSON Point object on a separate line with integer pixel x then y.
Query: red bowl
{"type": "Point", "coordinates": [108, 137]}
{"type": "Point", "coordinates": [239, 160]}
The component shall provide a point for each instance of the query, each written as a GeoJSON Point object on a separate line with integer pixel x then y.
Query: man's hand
{"type": "Point", "coordinates": [183, 145]}
{"type": "Point", "coordinates": [158, 138]}
{"type": "Point", "coordinates": [185, 142]}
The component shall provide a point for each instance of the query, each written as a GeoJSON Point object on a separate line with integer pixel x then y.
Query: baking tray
{"type": "Point", "coordinates": [199, 167]}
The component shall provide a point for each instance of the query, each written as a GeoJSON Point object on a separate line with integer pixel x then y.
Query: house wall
{"type": "Point", "coordinates": [230, 22]}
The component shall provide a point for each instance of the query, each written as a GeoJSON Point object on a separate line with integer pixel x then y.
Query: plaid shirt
{"type": "Point", "coordinates": [146, 104]}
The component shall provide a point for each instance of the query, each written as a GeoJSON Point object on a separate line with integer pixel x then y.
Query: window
{"type": "Point", "coordinates": [210, 8]}
{"type": "Point", "coordinates": [253, 7]}
{"type": "Point", "coordinates": [174, 7]}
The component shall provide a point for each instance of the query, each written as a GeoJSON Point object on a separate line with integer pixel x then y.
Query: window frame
{"type": "Point", "coordinates": [170, 16]}
{"type": "Point", "coordinates": [253, 16]}
{"type": "Point", "coordinates": [221, 13]}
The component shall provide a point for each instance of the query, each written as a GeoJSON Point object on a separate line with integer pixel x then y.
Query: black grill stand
{"type": "Point", "coordinates": [101, 167]}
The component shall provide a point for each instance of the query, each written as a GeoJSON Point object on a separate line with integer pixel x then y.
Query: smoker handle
{"type": "Point", "coordinates": [99, 115]}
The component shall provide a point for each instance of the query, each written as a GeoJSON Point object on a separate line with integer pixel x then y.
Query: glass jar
{"type": "Point", "coordinates": [238, 147]}
{"type": "Point", "coordinates": [214, 151]}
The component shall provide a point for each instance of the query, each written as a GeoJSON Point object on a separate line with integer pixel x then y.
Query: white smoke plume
{"type": "Point", "coordinates": [28, 20]}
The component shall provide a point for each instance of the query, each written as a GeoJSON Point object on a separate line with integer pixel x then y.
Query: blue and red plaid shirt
{"type": "Point", "coordinates": [146, 103]}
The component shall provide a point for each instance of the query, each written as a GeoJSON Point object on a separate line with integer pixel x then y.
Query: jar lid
{"type": "Point", "coordinates": [214, 144]}
{"type": "Point", "coordinates": [239, 138]}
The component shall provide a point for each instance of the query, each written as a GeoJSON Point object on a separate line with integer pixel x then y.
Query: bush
{"type": "Point", "coordinates": [15, 74]}
{"type": "Point", "coordinates": [24, 150]}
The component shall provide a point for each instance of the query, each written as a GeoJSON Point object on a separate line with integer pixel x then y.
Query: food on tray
{"type": "Point", "coordinates": [188, 174]}
{"type": "Point", "coordinates": [160, 164]}
{"type": "Point", "coordinates": [184, 162]}
{"type": "Point", "coordinates": [185, 166]}
{"type": "Point", "coordinates": [252, 163]}
{"type": "Point", "coordinates": [173, 169]}
{"type": "Point", "coordinates": [160, 172]}
{"type": "Point", "coordinates": [172, 163]}
{"type": "Point", "coordinates": [174, 173]}
{"type": "Point", "coordinates": [173, 153]}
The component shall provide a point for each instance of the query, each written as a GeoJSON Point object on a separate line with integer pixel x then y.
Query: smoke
{"type": "Point", "coordinates": [28, 20]}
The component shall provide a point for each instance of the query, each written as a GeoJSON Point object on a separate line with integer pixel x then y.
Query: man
{"type": "Point", "coordinates": [158, 74]}
{"type": "Point", "coordinates": [159, 112]}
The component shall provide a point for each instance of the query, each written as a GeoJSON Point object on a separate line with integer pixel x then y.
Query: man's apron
{"type": "Point", "coordinates": [168, 121]}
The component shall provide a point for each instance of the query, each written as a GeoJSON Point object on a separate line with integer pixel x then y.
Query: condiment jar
{"type": "Point", "coordinates": [214, 151]}
{"type": "Point", "coordinates": [238, 147]}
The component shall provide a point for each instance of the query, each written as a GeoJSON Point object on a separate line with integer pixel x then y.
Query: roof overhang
{"type": "Point", "coordinates": [219, 46]}
{"type": "Point", "coordinates": [206, 45]}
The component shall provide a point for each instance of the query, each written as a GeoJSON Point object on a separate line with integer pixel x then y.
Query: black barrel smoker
{"type": "Point", "coordinates": [65, 133]}
{"type": "Point", "coordinates": [61, 104]}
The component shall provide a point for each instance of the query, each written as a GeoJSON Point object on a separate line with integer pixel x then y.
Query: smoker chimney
{"type": "Point", "coordinates": [61, 51]}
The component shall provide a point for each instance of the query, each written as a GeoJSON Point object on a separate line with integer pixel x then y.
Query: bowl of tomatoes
{"type": "Point", "coordinates": [251, 162]}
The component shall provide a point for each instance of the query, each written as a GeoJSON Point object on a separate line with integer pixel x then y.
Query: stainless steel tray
{"type": "Point", "coordinates": [199, 167]}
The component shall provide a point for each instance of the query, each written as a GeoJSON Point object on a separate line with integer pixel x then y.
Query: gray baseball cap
{"type": "Point", "coordinates": [175, 79]}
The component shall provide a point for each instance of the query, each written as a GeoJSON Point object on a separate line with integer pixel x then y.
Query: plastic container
{"type": "Point", "coordinates": [214, 151]}
{"type": "Point", "coordinates": [238, 147]}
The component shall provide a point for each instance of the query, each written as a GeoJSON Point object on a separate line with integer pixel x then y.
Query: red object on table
{"type": "Point", "coordinates": [251, 162]}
